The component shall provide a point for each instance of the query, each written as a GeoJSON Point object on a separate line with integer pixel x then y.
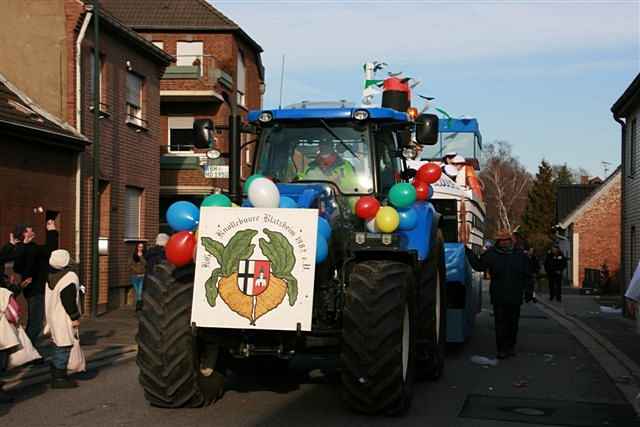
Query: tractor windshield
{"type": "Point", "coordinates": [318, 151]}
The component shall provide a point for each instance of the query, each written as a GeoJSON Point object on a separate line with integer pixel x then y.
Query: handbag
{"type": "Point", "coordinates": [77, 361]}
{"type": "Point", "coordinates": [24, 353]}
{"type": "Point", "coordinates": [12, 312]}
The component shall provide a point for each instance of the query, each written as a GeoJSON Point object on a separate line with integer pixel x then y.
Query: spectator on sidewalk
{"type": "Point", "coordinates": [554, 265]}
{"type": "Point", "coordinates": [28, 264]}
{"type": "Point", "coordinates": [511, 279]}
{"type": "Point", "coordinates": [137, 268]}
{"type": "Point", "coordinates": [63, 315]}
{"type": "Point", "coordinates": [155, 255]}
{"type": "Point", "coordinates": [31, 262]}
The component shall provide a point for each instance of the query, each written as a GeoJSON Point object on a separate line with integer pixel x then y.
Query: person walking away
{"type": "Point", "coordinates": [137, 268]}
{"type": "Point", "coordinates": [63, 315]}
{"type": "Point", "coordinates": [554, 264]}
{"type": "Point", "coordinates": [511, 279]}
{"type": "Point", "coordinates": [155, 255]}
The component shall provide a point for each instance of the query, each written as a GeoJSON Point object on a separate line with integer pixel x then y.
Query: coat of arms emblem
{"type": "Point", "coordinates": [251, 287]}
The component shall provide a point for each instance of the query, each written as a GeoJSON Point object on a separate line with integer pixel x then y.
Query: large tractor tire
{"type": "Point", "coordinates": [168, 355]}
{"type": "Point", "coordinates": [378, 338]}
{"type": "Point", "coordinates": [432, 315]}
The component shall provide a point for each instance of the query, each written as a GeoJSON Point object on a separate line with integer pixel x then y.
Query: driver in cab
{"type": "Point", "coordinates": [330, 166]}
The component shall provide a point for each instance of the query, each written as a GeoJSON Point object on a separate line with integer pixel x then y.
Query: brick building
{"type": "Point", "coordinates": [37, 166]}
{"type": "Point", "coordinates": [215, 62]}
{"type": "Point", "coordinates": [130, 72]}
{"type": "Point", "coordinates": [626, 111]}
{"type": "Point", "coordinates": [593, 231]}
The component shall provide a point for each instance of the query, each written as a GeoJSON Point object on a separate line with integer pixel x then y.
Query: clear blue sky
{"type": "Point", "coordinates": [541, 75]}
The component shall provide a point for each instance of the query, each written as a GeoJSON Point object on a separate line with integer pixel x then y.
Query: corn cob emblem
{"type": "Point", "coordinates": [252, 288]}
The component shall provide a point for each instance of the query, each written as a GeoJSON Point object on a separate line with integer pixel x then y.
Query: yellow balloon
{"type": "Point", "coordinates": [387, 219]}
{"type": "Point", "coordinates": [233, 205]}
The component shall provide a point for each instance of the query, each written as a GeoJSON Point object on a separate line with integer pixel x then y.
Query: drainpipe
{"type": "Point", "coordinates": [95, 203]}
{"type": "Point", "coordinates": [623, 268]}
{"type": "Point", "coordinates": [83, 30]}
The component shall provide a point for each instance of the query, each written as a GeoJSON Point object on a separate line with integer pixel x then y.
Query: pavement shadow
{"type": "Point", "coordinates": [22, 395]}
{"type": "Point", "coordinates": [92, 337]}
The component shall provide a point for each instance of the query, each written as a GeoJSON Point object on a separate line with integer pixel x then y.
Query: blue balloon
{"type": "Point", "coordinates": [183, 216]}
{"type": "Point", "coordinates": [322, 250]}
{"type": "Point", "coordinates": [408, 219]}
{"type": "Point", "coordinates": [246, 204]}
{"type": "Point", "coordinates": [324, 228]}
{"type": "Point", "coordinates": [287, 202]}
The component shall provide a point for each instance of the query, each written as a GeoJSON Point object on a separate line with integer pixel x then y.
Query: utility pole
{"type": "Point", "coordinates": [281, 83]}
{"type": "Point", "coordinates": [95, 205]}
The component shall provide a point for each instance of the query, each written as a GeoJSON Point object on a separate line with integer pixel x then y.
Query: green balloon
{"type": "Point", "coordinates": [247, 183]}
{"type": "Point", "coordinates": [219, 200]}
{"type": "Point", "coordinates": [402, 195]}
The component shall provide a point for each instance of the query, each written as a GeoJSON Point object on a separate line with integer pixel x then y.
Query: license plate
{"type": "Point", "coordinates": [216, 171]}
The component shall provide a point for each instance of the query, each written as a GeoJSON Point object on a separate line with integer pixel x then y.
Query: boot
{"type": "Point", "coordinates": [60, 379]}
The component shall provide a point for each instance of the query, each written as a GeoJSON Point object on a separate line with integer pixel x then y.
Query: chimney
{"type": "Point", "coordinates": [584, 180]}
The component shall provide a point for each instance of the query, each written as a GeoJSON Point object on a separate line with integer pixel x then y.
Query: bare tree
{"type": "Point", "coordinates": [506, 184]}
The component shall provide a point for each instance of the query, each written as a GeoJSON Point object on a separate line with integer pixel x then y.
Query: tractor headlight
{"type": "Point", "coordinates": [361, 115]}
{"type": "Point", "coordinates": [265, 117]}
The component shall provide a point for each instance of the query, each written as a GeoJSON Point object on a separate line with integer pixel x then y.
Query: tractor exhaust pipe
{"type": "Point", "coordinates": [235, 129]}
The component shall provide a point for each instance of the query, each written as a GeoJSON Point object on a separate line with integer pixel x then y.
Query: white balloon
{"type": "Point", "coordinates": [371, 226]}
{"type": "Point", "coordinates": [263, 193]}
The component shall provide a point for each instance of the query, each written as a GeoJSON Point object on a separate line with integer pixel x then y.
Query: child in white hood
{"type": "Point", "coordinates": [62, 310]}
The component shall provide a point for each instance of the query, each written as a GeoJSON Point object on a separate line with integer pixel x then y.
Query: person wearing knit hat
{"type": "Point", "coordinates": [155, 255]}
{"type": "Point", "coordinates": [62, 310]}
{"type": "Point", "coordinates": [511, 280]}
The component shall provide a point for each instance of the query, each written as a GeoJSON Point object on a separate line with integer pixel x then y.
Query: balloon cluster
{"type": "Point", "coordinates": [184, 217]}
{"type": "Point", "coordinates": [402, 215]}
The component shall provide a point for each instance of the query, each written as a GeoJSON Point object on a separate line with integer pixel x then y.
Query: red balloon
{"type": "Point", "coordinates": [429, 173]}
{"type": "Point", "coordinates": [367, 207]}
{"type": "Point", "coordinates": [422, 190]}
{"type": "Point", "coordinates": [180, 247]}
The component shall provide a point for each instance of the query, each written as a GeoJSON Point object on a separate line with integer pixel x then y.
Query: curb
{"type": "Point", "coordinates": [618, 366]}
{"type": "Point", "coordinates": [41, 374]}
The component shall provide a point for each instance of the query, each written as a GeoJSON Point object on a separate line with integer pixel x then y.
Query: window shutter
{"type": "Point", "coordinates": [132, 213]}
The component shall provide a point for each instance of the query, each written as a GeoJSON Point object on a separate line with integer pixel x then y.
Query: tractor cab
{"type": "Point", "coordinates": [350, 152]}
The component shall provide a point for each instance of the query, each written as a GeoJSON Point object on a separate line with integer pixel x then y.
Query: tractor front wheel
{"type": "Point", "coordinates": [176, 369]}
{"type": "Point", "coordinates": [378, 338]}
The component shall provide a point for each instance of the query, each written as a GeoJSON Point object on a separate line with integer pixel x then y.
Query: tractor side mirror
{"type": "Point", "coordinates": [203, 130]}
{"type": "Point", "coordinates": [427, 129]}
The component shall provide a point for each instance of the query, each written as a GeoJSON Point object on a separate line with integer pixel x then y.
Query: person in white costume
{"type": "Point", "coordinates": [62, 310]}
{"type": "Point", "coordinates": [8, 338]}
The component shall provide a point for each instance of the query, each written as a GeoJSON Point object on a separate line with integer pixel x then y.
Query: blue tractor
{"type": "Point", "coordinates": [379, 299]}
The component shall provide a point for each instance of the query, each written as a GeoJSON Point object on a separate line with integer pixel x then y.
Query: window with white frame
{"type": "Point", "coordinates": [132, 203]}
{"type": "Point", "coordinates": [159, 45]}
{"type": "Point", "coordinates": [190, 54]}
{"type": "Point", "coordinates": [134, 99]}
{"type": "Point", "coordinates": [102, 100]}
{"type": "Point", "coordinates": [241, 84]}
{"type": "Point", "coordinates": [180, 134]}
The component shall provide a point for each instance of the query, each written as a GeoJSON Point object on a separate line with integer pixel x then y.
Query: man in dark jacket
{"type": "Point", "coordinates": [32, 264]}
{"type": "Point", "coordinates": [554, 265]}
{"type": "Point", "coordinates": [511, 279]}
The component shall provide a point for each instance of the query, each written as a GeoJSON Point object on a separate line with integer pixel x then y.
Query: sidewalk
{"type": "Point", "coordinates": [609, 337]}
{"type": "Point", "coordinates": [106, 340]}
{"type": "Point", "coordinates": [620, 331]}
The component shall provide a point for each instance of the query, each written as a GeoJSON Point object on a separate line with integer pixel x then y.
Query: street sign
{"type": "Point", "coordinates": [216, 171]}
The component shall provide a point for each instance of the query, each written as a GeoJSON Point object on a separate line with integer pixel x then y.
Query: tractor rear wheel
{"type": "Point", "coordinates": [170, 359]}
{"type": "Point", "coordinates": [378, 338]}
{"type": "Point", "coordinates": [432, 315]}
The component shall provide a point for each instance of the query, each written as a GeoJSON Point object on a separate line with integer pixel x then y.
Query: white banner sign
{"type": "Point", "coordinates": [255, 268]}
